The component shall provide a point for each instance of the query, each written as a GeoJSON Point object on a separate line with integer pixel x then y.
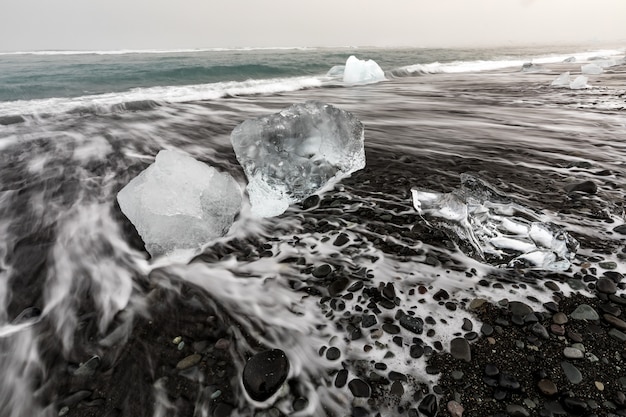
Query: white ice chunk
{"type": "Point", "coordinates": [179, 203]}
{"type": "Point", "coordinates": [592, 69]}
{"type": "Point", "coordinates": [579, 83]}
{"type": "Point", "coordinates": [297, 152]}
{"type": "Point", "coordinates": [358, 71]}
{"type": "Point", "coordinates": [562, 81]}
{"type": "Point", "coordinates": [488, 226]}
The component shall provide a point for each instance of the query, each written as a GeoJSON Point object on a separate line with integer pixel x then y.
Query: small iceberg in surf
{"type": "Point", "coordinates": [358, 71]}
{"type": "Point", "coordinates": [290, 155]}
{"type": "Point", "coordinates": [591, 69]}
{"type": "Point", "coordinates": [579, 83]}
{"type": "Point", "coordinates": [490, 227]}
{"type": "Point", "coordinates": [179, 203]}
{"type": "Point", "coordinates": [562, 81]}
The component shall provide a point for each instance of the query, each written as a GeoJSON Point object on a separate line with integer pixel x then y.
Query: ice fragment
{"type": "Point", "coordinates": [562, 81]}
{"type": "Point", "coordinates": [179, 203]}
{"type": "Point", "coordinates": [358, 71]}
{"type": "Point", "coordinates": [295, 153]}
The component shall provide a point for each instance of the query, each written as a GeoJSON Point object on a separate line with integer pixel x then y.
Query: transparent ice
{"type": "Point", "coordinates": [290, 155]}
{"type": "Point", "coordinates": [179, 203]}
{"type": "Point", "coordinates": [579, 83]}
{"type": "Point", "coordinates": [358, 71]}
{"type": "Point", "coordinates": [562, 81]}
{"type": "Point", "coordinates": [490, 227]}
{"type": "Point", "coordinates": [591, 69]}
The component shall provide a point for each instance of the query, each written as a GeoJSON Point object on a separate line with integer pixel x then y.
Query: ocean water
{"type": "Point", "coordinates": [90, 325]}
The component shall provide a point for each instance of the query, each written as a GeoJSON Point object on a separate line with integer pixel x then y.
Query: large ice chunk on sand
{"type": "Point", "coordinates": [290, 155]}
{"type": "Point", "coordinates": [358, 71]}
{"type": "Point", "coordinates": [488, 226]}
{"type": "Point", "coordinates": [579, 83]}
{"type": "Point", "coordinates": [179, 203]}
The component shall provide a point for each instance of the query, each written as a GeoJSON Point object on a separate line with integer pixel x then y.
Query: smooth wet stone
{"type": "Point", "coordinates": [391, 328]}
{"type": "Point", "coordinates": [508, 381]}
{"type": "Point", "coordinates": [616, 334]}
{"type": "Point", "coordinates": [322, 271]}
{"type": "Point", "coordinates": [519, 309]}
{"type": "Point", "coordinates": [584, 312]}
{"type": "Point", "coordinates": [620, 229]}
{"type": "Point", "coordinates": [416, 351]}
{"type": "Point", "coordinates": [477, 303]}
{"type": "Point", "coordinates": [455, 409]}
{"type": "Point", "coordinates": [491, 370]}
{"type": "Point", "coordinates": [515, 410]}
{"type": "Point", "coordinates": [311, 201]}
{"type": "Point", "coordinates": [341, 240]}
{"type": "Point", "coordinates": [341, 379]}
{"type": "Point", "coordinates": [460, 349]}
{"type": "Point", "coordinates": [467, 326]}
{"type": "Point", "coordinates": [486, 329]}
{"type": "Point", "coordinates": [540, 331]}
{"type": "Point", "coordinates": [368, 321]}
{"type": "Point", "coordinates": [575, 405]}
{"type": "Point", "coordinates": [573, 353]}
{"type": "Point", "coordinates": [397, 389]}
{"type": "Point", "coordinates": [547, 387]}
{"type": "Point", "coordinates": [359, 388]}
{"type": "Point", "coordinates": [557, 329]}
{"type": "Point", "coordinates": [559, 318]}
{"type": "Point", "coordinates": [586, 187]}
{"type": "Point", "coordinates": [188, 362]}
{"type": "Point", "coordinates": [333, 354]}
{"type": "Point", "coordinates": [264, 373]}
{"type": "Point", "coordinates": [615, 322]}
{"type": "Point", "coordinates": [607, 265]}
{"type": "Point", "coordinates": [571, 372]}
{"type": "Point", "coordinates": [428, 406]}
{"type": "Point", "coordinates": [606, 286]}
{"type": "Point", "coordinates": [412, 324]}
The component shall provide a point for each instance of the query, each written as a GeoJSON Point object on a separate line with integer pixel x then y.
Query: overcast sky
{"type": "Point", "coordinates": [174, 24]}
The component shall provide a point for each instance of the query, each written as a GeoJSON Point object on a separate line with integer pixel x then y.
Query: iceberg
{"type": "Point", "coordinates": [358, 71]}
{"type": "Point", "coordinates": [579, 83]}
{"type": "Point", "coordinates": [562, 81]}
{"type": "Point", "coordinates": [336, 71]}
{"type": "Point", "coordinates": [490, 227]}
{"type": "Point", "coordinates": [591, 69]}
{"type": "Point", "coordinates": [290, 155]}
{"type": "Point", "coordinates": [179, 203]}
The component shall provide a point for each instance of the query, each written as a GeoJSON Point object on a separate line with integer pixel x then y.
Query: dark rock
{"type": "Point", "coordinates": [341, 240]}
{"type": "Point", "coordinates": [460, 349]}
{"type": "Point", "coordinates": [264, 373]}
{"type": "Point", "coordinates": [428, 406]}
{"type": "Point", "coordinates": [391, 328]}
{"type": "Point", "coordinates": [188, 362]}
{"type": "Point", "coordinates": [508, 381]}
{"type": "Point", "coordinates": [540, 331]}
{"type": "Point", "coordinates": [606, 286]}
{"type": "Point", "coordinates": [338, 286]}
{"type": "Point", "coordinates": [355, 287]}
{"type": "Point", "coordinates": [322, 271]}
{"type": "Point", "coordinates": [412, 324]}
{"type": "Point", "coordinates": [332, 354]}
{"type": "Point", "coordinates": [397, 389]}
{"type": "Point", "coordinates": [547, 387]}
{"type": "Point", "coordinates": [559, 318]}
{"type": "Point", "coordinates": [300, 404]}
{"type": "Point", "coordinates": [486, 329]}
{"type": "Point", "coordinates": [621, 229]}
{"type": "Point", "coordinates": [574, 405]}
{"type": "Point", "coordinates": [416, 351]}
{"type": "Point", "coordinates": [397, 376]}
{"type": "Point", "coordinates": [514, 410]}
{"type": "Point", "coordinates": [616, 334]}
{"type": "Point", "coordinates": [518, 308]}
{"type": "Point", "coordinates": [11, 120]}
{"type": "Point", "coordinates": [491, 370]}
{"type": "Point", "coordinates": [587, 187]}
{"type": "Point", "coordinates": [615, 322]}
{"type": "Point", "coordinates": [584, 312]}
{"type": "Point", "coordinates": [441, 295]}
{"type": "Point", "coordinates": [389, 291]}
{"type": "Point", "coordinates": [359, 388]}
{"type": "Point", "coordinates": [571, 372]}
{"type": "Point", "coordinates": [468, 326]}
{"type": "Point", "coordinates": [311, 201]}
{"type": "Point", "coordinates": [368, 321]}
{"type": "Point", "coordinates": [341, 378]}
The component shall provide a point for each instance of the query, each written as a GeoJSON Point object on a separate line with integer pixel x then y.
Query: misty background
{"type": "Point", "coordinates": [167, 24]}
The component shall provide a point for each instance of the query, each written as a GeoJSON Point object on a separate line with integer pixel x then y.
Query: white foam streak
{"type": "Point", "coordinates": [154, 51]}
{"type": "Point", "coordinates": [105, 103]}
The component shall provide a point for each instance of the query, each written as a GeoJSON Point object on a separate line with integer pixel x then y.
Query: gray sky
{"type": "Point", "coordinates": [173, 24]}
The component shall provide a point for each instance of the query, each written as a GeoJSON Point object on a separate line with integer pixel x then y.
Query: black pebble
{"type": "Point", "coordinates": [412, 324]}
{"type": "Point", "coordinates": [416, 351]}
{"type": "Point", "coordinates": [333, 354]}
{"type": "Point", "coordinates": [341, 379]}
{"type": "Point", "coordinates": [368, 321]}
{"type": "Point", "coordinates": [428, 406]}
{"type": "Point", "coordinates": [322, 271]}
{"type": "Point", "coordinates": [264, 373]}
{"type": "Point", "coordinates": [359, 388]}
{"type": "Point", "coordinates": [341, 240]}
